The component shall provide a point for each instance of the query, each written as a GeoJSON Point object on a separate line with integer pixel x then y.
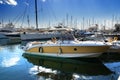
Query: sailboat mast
{"type": "Point", "coordinates": [2, 23]}
{"type": "Point", "coordinates": [28, 21]}
{"type": "Point", "coordinates": [36, 14]}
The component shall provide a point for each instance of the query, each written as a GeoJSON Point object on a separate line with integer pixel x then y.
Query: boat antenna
{"type": "Point", "coordinates": [36, 15]}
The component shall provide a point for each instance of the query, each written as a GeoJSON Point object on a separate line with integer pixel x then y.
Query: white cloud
{"type": "Point", "coordinates": [11, 2]}
{"type": "Point", "coordinates": [43, 0]}
{"type": "Point", "coordinates": [1, 2]}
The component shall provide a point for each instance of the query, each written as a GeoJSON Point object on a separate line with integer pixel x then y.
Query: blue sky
{"type": "Point", "coordinates": [55, 11]}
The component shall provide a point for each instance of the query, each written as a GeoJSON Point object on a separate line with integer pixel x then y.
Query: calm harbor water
{"type": "Point", "coordinates": [16, 65]}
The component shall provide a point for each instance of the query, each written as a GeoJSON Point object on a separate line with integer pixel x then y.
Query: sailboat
{"type": "Point", "coordinates": [115, 45]}
{"type": "Point", "coordinates": [43, 34]}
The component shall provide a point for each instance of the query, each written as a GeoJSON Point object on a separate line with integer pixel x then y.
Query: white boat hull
{"type": "Point", "coordinates": [38, 36]}
{"type": "Point", "coordinates": [87, 55]}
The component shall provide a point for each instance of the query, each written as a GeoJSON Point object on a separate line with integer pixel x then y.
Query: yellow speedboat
{"type": "Point", "coordinates": [67, 48]}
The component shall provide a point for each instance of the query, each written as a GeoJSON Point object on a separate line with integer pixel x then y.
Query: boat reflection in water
{"type": "Point", "coordinates": [68, 69]}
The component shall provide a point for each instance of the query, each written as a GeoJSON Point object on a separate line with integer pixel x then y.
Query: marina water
{"type": "Point", "coordinates": [14, 65]}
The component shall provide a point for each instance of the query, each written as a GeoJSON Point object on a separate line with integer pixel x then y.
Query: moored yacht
{"type": "Point", "coordinates": [115, 46]}
{"type": "Point", "coordinates": [45, 34]}
{"type": "Point", "coordinates": [70, 48]}
{"type": "Point", "coordinates": [9, 30]}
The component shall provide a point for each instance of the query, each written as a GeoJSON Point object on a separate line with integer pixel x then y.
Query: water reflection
{"type": "Point", "coordinates": [112, 62]}
{"type": "Point", "coordinates": [9, 62]}
{"type": "Point", "coordinates": [4, 41]}
{"type": "Point", "coordinates": [110, 57]}
{"type": "Point", "coordinates": [12, 65]}
{"type": "Point", "coordinates": [61, 68]}
{"type": "Point", "coordinates": [10, 41]}
{"type": "Point", "coordinates": [9, 56]}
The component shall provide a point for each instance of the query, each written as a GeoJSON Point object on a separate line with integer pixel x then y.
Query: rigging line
{"type": "Point", "coordinates": [28, 17]}
{"type": "Point", "coordinates": [40, 12]}
{"type": "Point", "coordinates": [45, 11]}
{"type": "Point", "coordinates": [24, 14]}
{"type": "Point", "coordinates": [53, 11]}
{"type": "Point", "coordinates": [16, 19]}
{"type": "Point", "coordinates": [49, 11]}
{"type": "Point", "coordinates": [21, 15]}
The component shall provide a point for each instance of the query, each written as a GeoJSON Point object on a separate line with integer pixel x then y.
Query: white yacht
{"type": "Point", "coordinates": [45, 35]}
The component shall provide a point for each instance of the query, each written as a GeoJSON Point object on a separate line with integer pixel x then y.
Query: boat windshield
{"type": "Point", "coordinates": [67, 36]}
